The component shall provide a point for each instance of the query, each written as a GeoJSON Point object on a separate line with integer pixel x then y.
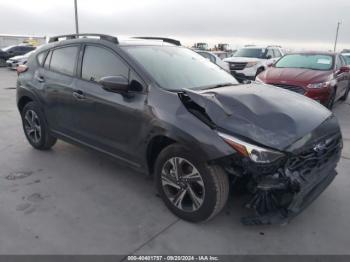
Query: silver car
{"type": "Point", "coordinates": [15, 61]}
{"type": "Point", "coordinates": [214, 58]}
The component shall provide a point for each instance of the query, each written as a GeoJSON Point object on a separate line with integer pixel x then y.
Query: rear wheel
{"type": "Point", "coordinates": [192, 190]}
{"type": "Point", "coordinates": [35, 127]}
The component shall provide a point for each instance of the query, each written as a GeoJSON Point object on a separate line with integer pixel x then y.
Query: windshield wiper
{"type": "Point", "coordinates": [216, 86]}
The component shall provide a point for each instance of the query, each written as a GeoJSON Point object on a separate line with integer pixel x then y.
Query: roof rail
{"type": "Point", "coordinates": [109, 38]}
{"type": "Point", "coordinates": [164, 39]}
{"type": "Point", "coordinates": [274, 46]}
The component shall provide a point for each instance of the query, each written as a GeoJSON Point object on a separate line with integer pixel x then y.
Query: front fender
{"type": "Point", "coordinates": [172, 119]}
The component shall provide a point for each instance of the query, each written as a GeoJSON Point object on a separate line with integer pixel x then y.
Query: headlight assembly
{"type": "Point", "coordinates": [251, 64]}
{"type": "Point", "coordinates": [321, 85]}
{"type": "Point", "coordinates": [255, 153]}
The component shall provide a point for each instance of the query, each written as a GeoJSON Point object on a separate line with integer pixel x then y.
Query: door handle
{"type": "Point", "coordinates": [40, 79]}
{"type": "Point", "coordinates": [78, 94]}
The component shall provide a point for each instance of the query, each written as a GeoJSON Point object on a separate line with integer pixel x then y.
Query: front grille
{"type": "Point", "coordinates": [316, 157]}
{"type": "Point", "coordinates": [237, 65]}
{"type": "Point", "coordinates": [296, 89]}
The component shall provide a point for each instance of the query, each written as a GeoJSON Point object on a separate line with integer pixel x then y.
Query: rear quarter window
{"type": "Point", "coordinates": [63, 60]}
{"type": "Point", "coordinates": [41, 57]}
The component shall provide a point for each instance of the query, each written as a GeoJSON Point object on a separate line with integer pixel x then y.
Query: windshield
{"type": "Point", "coordinates": [250, 52]}
{"type": "Point", "coordinates": [176, 68]}
{"type": "Point", "coordinates": [5, 49]}
{"type": "Point", "coordinates": [308, 61]}
{"type": "Point", "coordinates": [29, 53]}
{"type": "Point", "coordinates": [347, 58]}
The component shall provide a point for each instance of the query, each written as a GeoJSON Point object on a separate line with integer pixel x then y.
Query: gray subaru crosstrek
{"type": "Point", "coordinates": [165, 110]}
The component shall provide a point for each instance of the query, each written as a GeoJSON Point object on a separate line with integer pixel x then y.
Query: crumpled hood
{"type": "Point", "coordinates": [265, 114]}
{"type": "Point", "coordinates": [241, 59]}
{"type": "Point", "coordinates": [275, 75]}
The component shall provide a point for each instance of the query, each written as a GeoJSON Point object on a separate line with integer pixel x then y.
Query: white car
{"type": "Point", "coordinates": [212, 57]}
{"type": "Point", "coordinates": [250, 61]}
{"type": "Point", "coordinates": [347, 57]}
{"type": "Point", "coordinates": [15, 61]}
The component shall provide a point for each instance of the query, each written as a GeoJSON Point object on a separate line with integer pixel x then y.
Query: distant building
{"type": "Point", "coordinates": [7, 40]}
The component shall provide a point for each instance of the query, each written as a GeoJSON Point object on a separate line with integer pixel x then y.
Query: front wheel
{"type": "Point", "coordinates": [345, 96]}
{"type": "Point", "coordinates": [192, 190]}
{"type": "Point", "coordinates": [331, 101]}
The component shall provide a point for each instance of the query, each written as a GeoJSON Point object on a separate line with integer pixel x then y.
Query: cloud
{"type": "Point", "coordinates": [296, 22]}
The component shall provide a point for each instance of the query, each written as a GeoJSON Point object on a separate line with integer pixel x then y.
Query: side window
{"type": "Point", "coordinates": [28, 48]}
{"type": "Point", "coordinates": [270, 54]}
{"type": "Point", "coordinates": [13, 49]}
{"type": "Point", "coordinates": [41, 56]}
{"type": "Point", "coordinates": [99, 62]}
{"type": "Point", "coordinates": [338, 63]}
{"type": "Point", "coordinates": [47, 61]}
{"type": "Point", "coordinates": [212, 58]}
{"type": "Point", "coordinates": [343, 61]}
{"type": "Point", "coordinates": [277, 53]}
{"type": "Point", "coordinates": [63, 60]}
{"type": "Point", "coordinates": [207, 56]}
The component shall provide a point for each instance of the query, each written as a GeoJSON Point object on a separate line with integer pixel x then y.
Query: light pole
{"type": "Point", "coordinates": [76, 17]}
{"type": "Point", "coordinates": [336, 36]}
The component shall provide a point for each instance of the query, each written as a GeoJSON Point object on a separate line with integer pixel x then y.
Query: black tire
{"type": "Point", "coordinates": [331, 101]}
{"type": "Point", "coordinates": [260, 70]}
{"type": "Point", "coordinates": [345, 96]}
{"type": "Point", "coordinates": [214, 181]}
{"type": "Point", "coordinates": [45, 140]}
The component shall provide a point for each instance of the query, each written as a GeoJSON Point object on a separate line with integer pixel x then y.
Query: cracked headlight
{"type": "Point", "coordinates": [255, 153]}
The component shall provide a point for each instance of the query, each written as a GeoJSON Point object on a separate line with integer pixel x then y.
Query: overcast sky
{"type": "Point", "coordinates": [292, 23]}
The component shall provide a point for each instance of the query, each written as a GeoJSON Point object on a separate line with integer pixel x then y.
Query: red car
{"type": "Point", "coordinates": [322, 76]}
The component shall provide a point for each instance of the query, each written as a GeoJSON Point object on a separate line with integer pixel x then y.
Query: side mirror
{"type": "Point", "coordinates": [117, 84]}
{"type": "Point", "coordinates": [268, 57]}
{"type": "Point", "coordinates": [344, 69]}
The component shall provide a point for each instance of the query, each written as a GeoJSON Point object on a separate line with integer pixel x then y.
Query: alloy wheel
{"type": "Point", "coordinates": [183, 184]}
{"type": "Point", "coordinates": [32, 126]}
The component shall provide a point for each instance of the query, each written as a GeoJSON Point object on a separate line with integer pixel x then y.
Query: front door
{"type": "Point", "coordinates": [107, 120]}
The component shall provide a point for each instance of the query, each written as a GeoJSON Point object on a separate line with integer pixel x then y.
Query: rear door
{"type": "Point", "coordinates": [58, 80]}
{"type": "Point", "coordinates": [111, 122]}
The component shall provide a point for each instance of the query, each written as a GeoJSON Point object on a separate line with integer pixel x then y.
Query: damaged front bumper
{"type": "Point", "coordinates": [310, 189]}
{"type": "Point", "coordinates": [278, 196]}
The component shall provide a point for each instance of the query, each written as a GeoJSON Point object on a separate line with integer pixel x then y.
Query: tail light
{"type": "Point", "coordinates": [21, 69]}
